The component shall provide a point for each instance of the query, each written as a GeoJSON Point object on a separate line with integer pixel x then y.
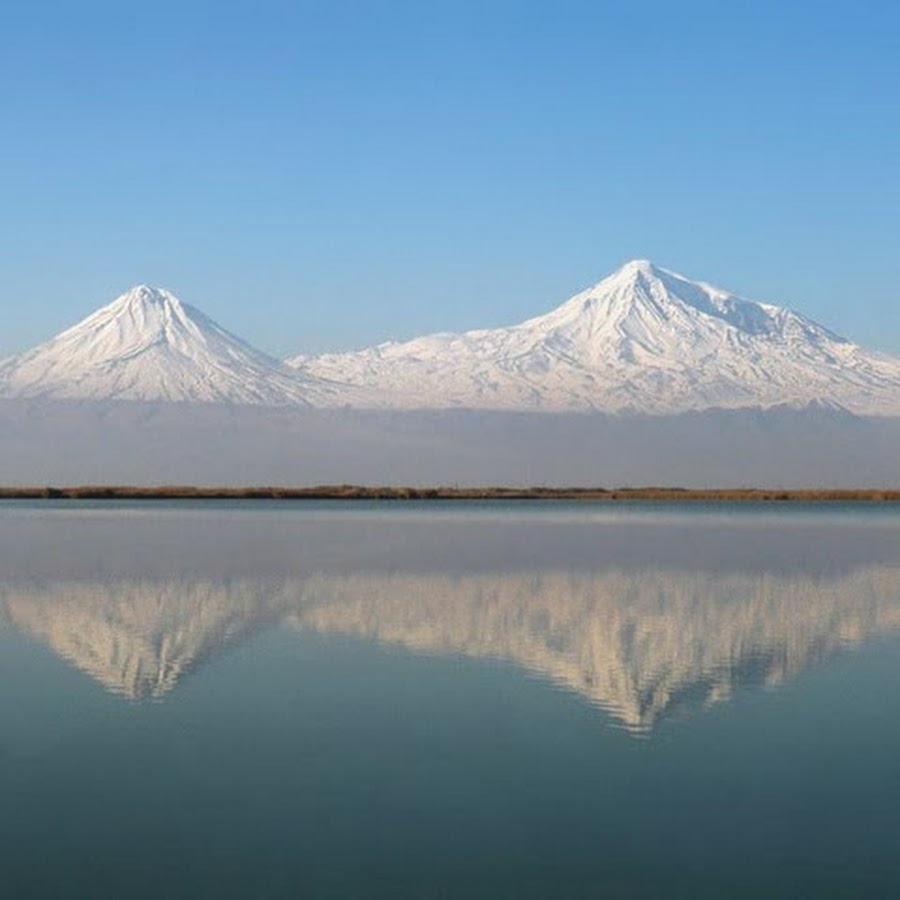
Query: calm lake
{"type": "Point", "coordinates": [467, 700]}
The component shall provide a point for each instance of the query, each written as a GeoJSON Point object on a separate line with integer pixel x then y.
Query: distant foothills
{"type": "Point", "coordinates": [644, 340]}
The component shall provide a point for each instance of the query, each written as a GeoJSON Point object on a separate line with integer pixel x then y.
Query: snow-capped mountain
{"type": "Point", "coordinates": [148, 345]}
{"type": "Point", "coordinates": [643, 339]}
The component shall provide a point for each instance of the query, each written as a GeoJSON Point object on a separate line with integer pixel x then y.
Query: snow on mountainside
{"type": "Point", "coordinates": [643, 339]}
{"type": "Point", "coordinates": [148, 345]}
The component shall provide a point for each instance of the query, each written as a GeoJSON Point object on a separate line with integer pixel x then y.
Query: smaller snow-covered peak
{"type": "Point", "coordinates": [148, 345]}
{"type": "Point", "coordinates": [142, 294]}
{"type": "Point", "coordinates": [139, 318]}
{"type": "Point", "coordinates": [149, 293]}
{"type": "Point", "coordinates": [149, 304]}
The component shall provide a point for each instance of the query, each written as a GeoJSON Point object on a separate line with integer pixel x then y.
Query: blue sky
{"type": "Point", "coordinates": [327, 175]}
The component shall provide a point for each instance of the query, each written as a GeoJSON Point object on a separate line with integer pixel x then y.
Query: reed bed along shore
{"type": "Point", "coordinates": [363, 492]}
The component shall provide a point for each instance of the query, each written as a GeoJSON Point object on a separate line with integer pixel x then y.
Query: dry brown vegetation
{"type": "Point", "coordinates": [361, 492]}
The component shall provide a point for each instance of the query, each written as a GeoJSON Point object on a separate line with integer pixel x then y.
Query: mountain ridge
{"type": "Point", "coordinates": [644, 339]}
{"type": "Point", "coordinates": [147, 345]}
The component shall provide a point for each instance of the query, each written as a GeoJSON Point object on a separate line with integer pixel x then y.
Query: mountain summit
{"type": "Point", "coordinates": [148, 345]}
{"type": "Point", "coordinates": [644, 339]}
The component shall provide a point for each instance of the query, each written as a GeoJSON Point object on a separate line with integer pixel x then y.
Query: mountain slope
{"type": "Point", "coordinates": [148, 345]}
{"type": "Point", "coordinates": [643, 339]}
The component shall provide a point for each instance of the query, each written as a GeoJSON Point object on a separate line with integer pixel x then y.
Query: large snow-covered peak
{"type": "Point", "coordinates": [646, 296]}
{"type": "Point", "coordinates": [644, 339]}
{"type": "Point", "coordinates": [148, 345]}
{"type": "Point", "coordinates": [632, 272]}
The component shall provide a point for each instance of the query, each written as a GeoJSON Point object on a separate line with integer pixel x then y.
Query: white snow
{"type": "Point", "coordinates": [644, 339]}
{"type": "Point", "coordinates": [148, 345]}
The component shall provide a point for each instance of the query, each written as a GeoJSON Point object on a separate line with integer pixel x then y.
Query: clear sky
{"type": "Point", "coordinates": [327, 175]}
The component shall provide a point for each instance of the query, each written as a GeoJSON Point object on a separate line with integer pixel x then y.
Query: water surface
{"type": "Point", "coordinates": [469, 700]}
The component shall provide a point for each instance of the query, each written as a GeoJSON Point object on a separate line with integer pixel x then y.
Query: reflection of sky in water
{"type": "Point", "coordinates": [404, 704]}
{"type": "Point", "coordinates": [642, 612]}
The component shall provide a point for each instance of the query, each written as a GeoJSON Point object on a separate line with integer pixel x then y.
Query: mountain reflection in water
{"type": "Point", "coordinates": [640, 641]}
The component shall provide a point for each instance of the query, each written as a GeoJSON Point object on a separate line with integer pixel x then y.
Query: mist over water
{"type": "Point", "coordinates": [207, 444]}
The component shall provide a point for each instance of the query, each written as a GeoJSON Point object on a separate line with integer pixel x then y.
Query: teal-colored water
{"type": "Point", "coordinates": [467, 700]}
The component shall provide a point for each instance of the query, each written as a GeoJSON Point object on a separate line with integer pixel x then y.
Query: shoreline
{"type": "Point", "coordinates": [362, 492]}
